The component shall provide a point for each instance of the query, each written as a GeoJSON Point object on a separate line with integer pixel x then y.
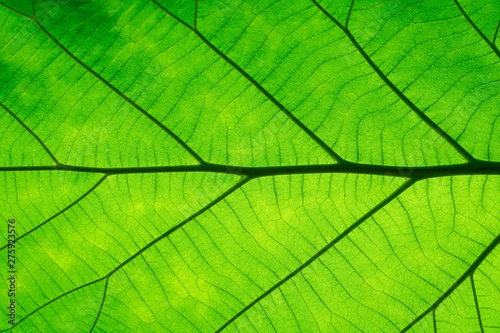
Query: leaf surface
{"type": "Point", "coordinates": [239, 166]}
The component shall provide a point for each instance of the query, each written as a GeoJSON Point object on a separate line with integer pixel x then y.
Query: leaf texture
{"type": "Point", "coordinates": [251, 166]}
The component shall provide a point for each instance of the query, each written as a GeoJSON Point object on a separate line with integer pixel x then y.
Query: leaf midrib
{"type": "Point", "coordinates": [414, 173]}
{"type": "Point", "coordinates": [477, 167]}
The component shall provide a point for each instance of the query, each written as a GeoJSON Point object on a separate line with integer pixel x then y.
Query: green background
{"type": "Point", "coordinates": [251, 166]}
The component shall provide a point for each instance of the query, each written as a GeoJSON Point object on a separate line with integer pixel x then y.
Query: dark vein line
{"type": "Point", "coordinates": [457, 283]}
{"type": "Point", "coordinates": [55, 299]}
{"type": "Point", "coordinates": [340, 237]}
{"type": "Point", "coordinates": [16, 11]}
{"type": "Point", "coordinates": [434, 323]}
{"type": "Point", "coordinates": [83, 196]}
{"type": "Point", "coordinates": [398, 92]}
{"type": "Point", "coordinates": [118, 92]}
{"type": "Point", "coordinates": [182, 224]}
{"type": "Point", "coordinates": [249, 171]}
{"type": "Point", "coordinates": [257, 85]}
{"type": "Point", "coordinates": [196, 14]}
{"type": "Point", "coordinates": [480, 33]}
{"type": "Point", "coordinates": [476, 303]}
{"type": "Point", "coordinates": [349, 14]}
{"type": "Point", "coordinates": [37, 138]}
{"type": "Point", "coordinates": [476, 168]}
{"type": "Point", "coordinates": [102, 305]}
{"type": "Point", "coordinates": [496, 34]}
{"type": "Point", "coordinates": [30, 168]}
{"type": "Point", "coordinates": [153, 242]}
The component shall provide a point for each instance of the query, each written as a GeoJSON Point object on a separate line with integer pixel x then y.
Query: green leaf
{"type": "Point", "coordinates": [250, 166]}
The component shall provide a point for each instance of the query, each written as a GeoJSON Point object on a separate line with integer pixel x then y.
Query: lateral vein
{"type": "Point", "coordinates": [465, 154]}
{"type": "Point", "coordinates": [337, 239]}
{"type": "Point", "coordinates": [143, 249]}
{"type": "Point", "coordinates": [118, 92]}
{"type": "Point", "coordinates": [33, 134]}
{"type": "Point", "coordinates": [257, 85]}
{"type": "Point", "coordinates": [83, 196]}
{"type": "Point", "coordinates": [491, 44]}
{"type": "Point", "coordinates": [15, 11]}
{"type": "Point", "coordinates": [472, 268]}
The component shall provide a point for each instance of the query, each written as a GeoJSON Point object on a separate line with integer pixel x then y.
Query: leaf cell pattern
{"type": "Point", "coordinates": [252, 166]}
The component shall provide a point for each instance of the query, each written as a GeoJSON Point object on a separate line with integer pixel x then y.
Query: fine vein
{"type": "Point", "coordinates": [414, 174]}
{"type": "Point", "coordinates": [349, 14]}
{"type": "Point", "coordinates": [83, 196]}
{"type": "Point", "coordinates": [491, 44]}
{"type": "Point", "coordinates": [33, 134]}
{"type": "Point", "coordinates": [182, 224]}
{"type": "Point", "coordinates": [196, 4]}
{"type": "Point", "coordinates": [16, 11]}
{"type": "Point", "coordinates": [257, 85]}
{"type": "Point", "coordinates": [398, 92]}
{"type": "Point", "coordinates": [476, 303]}
{"type": "Point", "coordinates": [150, 244]}
{"type": "Point", "coordinates": [496, 34]}
{"type": "Point", "coordinates": [55, 299]}
{"type": "Point", "coordinates": [102, 305]}
{"type": "Point", "coordinates": [344, 234]}
{"type": "Point", "coordinates": [472, 268]}
{"type": "Point", "coordinates": [118, 92]}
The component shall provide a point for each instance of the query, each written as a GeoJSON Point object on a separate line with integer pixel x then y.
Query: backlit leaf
{"type": "Point", "coordinates": [250, 166]}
